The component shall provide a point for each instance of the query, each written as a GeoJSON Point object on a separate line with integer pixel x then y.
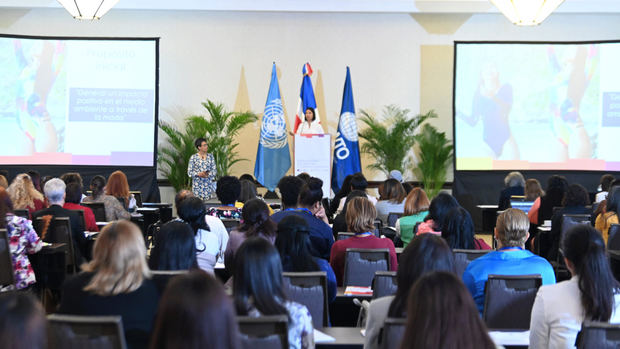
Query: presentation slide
{"type": "Point", "coordinates": [537, 106]}
{"type": "Point", "coordinates": [77, 102]}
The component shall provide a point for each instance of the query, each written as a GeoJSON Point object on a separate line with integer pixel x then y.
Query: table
{"type": "Point", "coordinates": [489, 217]}
{"type": "Point", "coordinates": [346, 337]}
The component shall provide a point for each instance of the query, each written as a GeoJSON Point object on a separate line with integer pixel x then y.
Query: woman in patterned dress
{"type": "Point", "coordinates": [202, 170]}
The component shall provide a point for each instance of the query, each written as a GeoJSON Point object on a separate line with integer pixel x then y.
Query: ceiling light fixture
{"type": "Point", "coordinates": [88, 9]}
{"type": "Point", "coordinates": [527, 12]}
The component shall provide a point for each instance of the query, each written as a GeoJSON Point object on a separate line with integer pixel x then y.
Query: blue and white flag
{"type": "Point", "coordinates": [272, 158]}
{"type": "Point", "coordinates": [346, 148]}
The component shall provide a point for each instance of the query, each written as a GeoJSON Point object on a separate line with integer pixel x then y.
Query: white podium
{"type": "Point", "coordinates": [313, 156]}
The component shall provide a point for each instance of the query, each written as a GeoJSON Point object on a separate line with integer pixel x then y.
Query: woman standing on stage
{"type": "Point", "coordinates": [202, 170]}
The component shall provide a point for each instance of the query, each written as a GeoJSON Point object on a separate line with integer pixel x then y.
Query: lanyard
{"type": "Point", "coordinates": [364, 234]}
{"type": "Point", "coordinates": [511, 248]}
{"type": "Point", "coordinates": [305, 210]}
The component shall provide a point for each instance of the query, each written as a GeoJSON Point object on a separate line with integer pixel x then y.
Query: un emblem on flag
{"type": "Point", "coordinates": [348, 127]}
{"type": "Point", "coordinates": [273, 130]}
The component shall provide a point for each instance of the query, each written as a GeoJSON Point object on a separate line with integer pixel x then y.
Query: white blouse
{"type": "Point", "coordinates": [314, 128]}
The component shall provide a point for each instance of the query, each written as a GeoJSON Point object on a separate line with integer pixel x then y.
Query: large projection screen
{"type": "Point", "coordinates": [537, 106]}
{"type": "Point", "coordinates": [78, 101]}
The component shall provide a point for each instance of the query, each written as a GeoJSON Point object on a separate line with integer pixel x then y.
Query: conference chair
{"type": "Point", "coordinates": [384, 284]}
{"type": "Point", "coordinates": [82, 218]}
{"type": "Point", "coordinates": [392, 333]}
{"type": "Point", "coordinates": [392, 218]}
{"type": "Point", "coordinates": [613, 241]}
{"type": "Point", "coordinates": [98, 210]}
{"type": "Point", "coordinates": [309, 289]}
{"type": "Point", "coordinates": [230, 223]}
{"type": "Point", "coordinates": [509, 299]}
{"type": "Point", "coordinates": [265, 332]}
{"type": "Point", "coordinates": [462, 258]}
{"type": "Point", "coordinates": [161, 278]}
{"type": "Point", "coordinates": [22, 213]}
{"type": "Point", "coordinates": [7, 275]}
{"type": "Point", "coordinates": [59, 231]}
{"type": "Point", "coordinates": [598, 335]}
{"type": "Point", "coordinates": [87, 332]}
{"type": "Point", "coordinates": [361, 264]}
{"type": "Point", "coordinates": [165, 210]}
{"type": "Point", "coordinates": [378, 225]}
{"type": "Point", "coordinates": [344, 235]}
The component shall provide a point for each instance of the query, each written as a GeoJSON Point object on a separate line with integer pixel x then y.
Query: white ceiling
{"type": "Point", "coordinates": [381, 6]}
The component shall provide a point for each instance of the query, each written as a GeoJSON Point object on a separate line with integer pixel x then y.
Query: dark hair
{"type": "Point", "coordinates": [313, 113]}
{"type": "Point", "coordinates": [193, 211]}
{"type": "Point", "coordinates": [174, 247]}
{"type": "Point", "coordinates": [97, 185]}
{"type": "Point", "coordinates": [304, 176]}
{"type": "Point", "coordinates": [293, 244]}
{"type": "Point", "coordinates": [458, 229]}
{"type": "Point", "coordinates": [556, 187]}
{"type": "Point", "coordinates": [359, 182]}
{"type": "Point", "coordinates": [22, 321]}
{"type": "Point", "coordinates": [72, 177]}
{"type": "Point", "coordinates": [248, 190]}
{"type": "Point", "coordinates": [182, 195]}
{"type": "Point", "coordinates": [576, 195]}
{"type": "Point", "coordinates": [36, 179]}
{"type": "Point", "coordinates": [408, 187]}
{"type": "Point", "coordinates": [584, 247]}
{"type": "Point", "coordinates": [257, 280]}
{"type": "Point", "coordinates": [247, 177]}
{"type": "Point", "coordinates": [73, 193]}
{"type": "Point", "coordinates": [345, 189]}
{"type": "Point", "coordinates": [441, 314]}
{"type": "Point", "coordinates": [289, 187]}
{"type": "Point", "coordinates": [425, 253]}
{"type": "Point", "coordinates": [195, 312]}
{"type": "Point", "coordinates": [439, 207]}
{"type": "Point", "coordinates": [613, 200]}
{"type": "Point", "coordinates": [198, 142]}
{"type": "Point", "coordinates": [311, 192]}
{"type": "Point", "coordinates": [394, 191]}
{"type": "Point", "coordinates": [606, 181]}
{"type": "Point", "coordinates": [256, 219]}
{"type": "Point", "coordinates": [228, 189]}
{"type": "Point", "coordinates": [6, 206]}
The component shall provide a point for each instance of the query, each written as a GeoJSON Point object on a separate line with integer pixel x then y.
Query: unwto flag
{"type": "Point", "coordinates": [306, 98]}
{"type": "Point", "coordinates": [346, 148]}
{"type": "Point", "coordinates": [272, 158]}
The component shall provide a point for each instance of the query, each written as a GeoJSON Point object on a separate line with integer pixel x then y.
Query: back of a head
{"type": "Point", "coordinates": [350, 196]}
{"type": "Point", "coordinates": [228, 189]}
{"type": "Point", "coordinates": [304, 176]}
{"type": "Point", "coordinates": [6, 206]}
{"type": "Point", "coordinates": [439, 207]}
{"type": "Point", "coordinates": [576, 195]}
{"type": "Point", "coordinates": [247, 177]}
{"type": "Point", "coordinates": [73, 193]}
{"type": "Point", "coordinates": [293, 244]}
{"type": "Point", "coordinates": [606, 181]}
{"type": "Point", "coordinates": [458, 229]}
{"type": "Point", "coordinates": [256, 219]}
{"type": "Point", "coordinates": [182, 195]}
{"type": "Point", "coordinates": [393, 190]}
{"type": "Point", "coordinates": [4, 183]}
{"type": "Point", "coordinates": [289, 187]}
{"type": "Point", "coordinates": [556, 187]}
{"type": "Point", "coordinates": [311, 192]}
{"type": "Point", "coordinates": [174, 247]}
{"type": "Point", "coordinates": [613, 199]}
{"type": "Point", "coordinates": [22, 321]}
{"type": "Point", "coordinates": [35, 176]}
{"type": "Point", "coordinates": [118, 185]}
{"type": "Point", "coordinates": [195, 312]}
{"type": "Point", "coordinates": [72, 177]}
{"type": "Point", "coordinates": [248, 190]}
{"type": "Point", "coordinates": [514, 179]}
{"type": "Point", "coordinates": [360, 216]}
{"type": "Point", "coordinates": [192, 210]}
{"type": "Point", "coordinates": [446, 318]}
{"type": "Point", "coordinates": [97, 185]}
{"type": "Point", "coordinates": [512, 228]}
{"type": "Point", "coordinates": [345, 188]}
{"type": "Point", "coordinates": [416, 202]}
{"type": "Point", "coordinates": [359, 182]}
{"type": "Point", "coordinates": [55, 190]}
{"type": "Point", "coordinates": [22, 191]}
{"type": "Point", "coordinates": [584, 248]}
{"type": "Point", "coordinates": [533, 189]}
{"type": "Point", "coordinates": [426, 253]}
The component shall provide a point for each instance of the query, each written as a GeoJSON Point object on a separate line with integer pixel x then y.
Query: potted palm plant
{"type": "Point", "coordinates": [435, 156]}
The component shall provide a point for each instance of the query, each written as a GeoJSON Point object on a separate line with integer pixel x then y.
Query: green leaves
{"type": "Point", "coordinates": [435, 156]}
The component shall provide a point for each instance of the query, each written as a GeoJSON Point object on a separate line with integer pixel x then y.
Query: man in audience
{"type": "Point", "coordinates": [289, 187]}
{"type": "Point", "coordinates": [511, 232]}
{"type": "Point", "coordinates": [54, 190]}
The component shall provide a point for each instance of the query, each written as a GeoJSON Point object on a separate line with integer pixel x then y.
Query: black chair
{"type": "Point", "coordinates": [165, 210]}
{"type": "Point", "coordinates": [509, 299]}
{"type": "Point", "coordinates": [361, 264]}
{"type": "Point", "coordinates": [378, 225]}
{"type": "Point", "coordinates": [59, 231]}
{"type": "Point", "coordinates": [613, 241]}
{"type": "Point", "coordinates": [7, 274]}
{"type": "Point", "coordinates": [138, 196]}
{"type": "Point", "coordinates": [384, 284]}
{"type": "Point", "coordinates": [392, 333]}
{"type": "Point", "coordinates": [598, 335]}
{"type": "Point", "coordinates": [98, 210]}
{"type": "Point", "coordinates": [22, 213]}
{"type": "Point", "coordinates": [344, 235]}
{"type": "Point", "coordinates": [88, 332]}
{"type": "Point", "coordinates": [161, 278]}
{"type": "Point", "coordinates": [462, 258]}
{"type": "Point", "coordinates": [392, 217]}
{"type": "Point", "coordinates": [230, 223]}
{"type": "Point", "coordinates": [265, 332]}
{"type": "Point", "coordinates": [309, 289]}
{"type": "Point", "coordinates": [82, 218]}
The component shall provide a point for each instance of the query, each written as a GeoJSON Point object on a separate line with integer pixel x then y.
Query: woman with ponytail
{"type": "Point", "coordinates": [591, 294]}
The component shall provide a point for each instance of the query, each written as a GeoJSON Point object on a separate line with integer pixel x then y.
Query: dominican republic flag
{"type": "Point", "coordinates": [306, 98]}
{"type": "Point", "coordinates": [346, 148]}
{"type": "Point", "coordinates": [272, 158]}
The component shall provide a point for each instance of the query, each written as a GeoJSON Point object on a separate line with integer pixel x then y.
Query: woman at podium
{"type": "Point", "coordinates": [310, 125]}
{"type": "Point", "coordinates": [202, 170]}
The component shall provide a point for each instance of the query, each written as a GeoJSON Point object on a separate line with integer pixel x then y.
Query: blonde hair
{"type": "Point", "coordinates": [360, 216]}
{"type": "Point", "coordinates": [119, 260]}
{"type": "Point", "coordinates": [512, 227]}
{"type": "Point", "coordinates": [23, 193]}
{"type": "Point", "coordinates": [3, 182]}
{"type": "Point", "coordinates": [416, 202]}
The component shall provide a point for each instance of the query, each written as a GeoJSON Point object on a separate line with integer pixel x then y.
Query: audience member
{"type": "Point", "coordinates": [4, 184]}
{"type": "Point", "coordinates": [610, 216]}
{"type": "Point", "coordinates": [426, 253]}
{"type": "Point", "coordinates": [592, 293]}
{"type": "Point", "coordinates": [23, 240]}
{"type": "Point", "coordinates": [397, 175]}
{"type": "Point", "coordinates": [441, 314]}
{"type": "Point", "coordinates": [118, 186]}
{"type": "Point", "coordinates": [361, 215]}
{"type": "Point", "coordinates": [116, 282]}
{"type": "Point", "coordinates": [542, 209]}
{"type": "Point", "coordinates": [515, 184]}
{"type": "Point", "coordinates": [458, 231]}
{"type": "Point", "coordinates": [247, 177]}
{"type": "Point", "coordinates": [605, 184]}
{"type": "Point", "coordinates": [35, 176]}
{"type": "Point", "coordinates": [345, 189]}
{"type": "Point", "coordinates": [203, 317]}
{"type": "Point", "coordinates": [72, 202]}
{"type": "Point", "coordinates": [359, 182]}
{"type": "Point", "coordinates": [257, 290]}
{"type": "Point", "coordinates": [293, 244]}
{"type": "Point", "coordinates": [22, 322]}
{"type": "Point", "coordinates": [24, 195]}
{"type": "Point", "coordinates": [114, 210]}
{"type": "Point", "coordinates": [248, 192]}
{"type": "Point", "coordinates": [340, 221]}
{"type": "Point", "coordinates": [533, 189]}
{"type": "Point", "coordinates": [174, 247]}
{"type": "Point", "coordinates": [227, 191]}
{"type": "Point", "coordinates": [511, 232]}
{"type": "Point", "coordinates": [439, 207]}
{"type": "Point", "coordinates": [72, 177]}
{"type": "Point", "coordinates": [408, 187]}
{"type": "Point", "coordinates": [289, 187]}
{"type": "Point", "coordinates": [416, 209]}
{"type": "Point", "coordinates": [304, 176]}
{"type": "Point", "coordinates": [394, 200]}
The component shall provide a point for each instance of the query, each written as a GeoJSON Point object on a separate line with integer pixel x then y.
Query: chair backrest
{"type": "Point", "coordinates": [360, 265]}
{"type": "Point", "coordinates": [96, 332]}
{"type": "Point", "coordinates": [265, 332]}
{"type": "Point", "coordinates": [165, 210]}
{"type": "Point", "coordinates": [598, 335]}
{"type": "Point", "coordinates": [509, 299]}
{"type": "Point", "coordinates": [613, 242]}
{"type": "Point", "coordinates": [462, 258]}
{"type": "Point", "coordinates": [384, 284]}
{"type": "Point", "coordinates": [392, 217]}
{"type": "Point", "coordinates": [230, 223]}
{"type": "Point", "coordinates": [82, 218]}
{"type": "Point", "coordinates": [309, 289]}
{"type": "Point", "coordinates": [344, 235]}
{"type": "Point", "coordinates": [7, 274]}
{"type": "Point", "coordinates": [392, 333]}
{"type": "Point", "coordinates": [59, 231]}
{"type": "Point", "coordinates": [161, 278]}
{"type": "Point", "coordinates": [570, 220]}
{"type": "Point", "coordinates": [138, 196]}
{"type": "Point", "coordinates": [22, 213]}
{"type": "Point", "coordinates": [98, 210]}
{"type": "Point", "coordinates": [378, 225]}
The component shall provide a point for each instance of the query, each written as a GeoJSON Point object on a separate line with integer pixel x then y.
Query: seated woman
{"type": "Point", "coordinates": [114, 210]}
{"type": "Point", "coordinates": [440, 301]}
{"type": "Point", "coordinates": [227, 191]}
{"type": "Point", "coordinates": [533, 190]}
{"type": "Point", "coordinates": [118, 187]}
{"type": "Point", "coordinates": [416, 209]}
{"type": "Point", "coordinates": [204, 317]}
{"type": "Point", "coordinates": [361, 215]}
{"type": "Point", "coordinates": [425, 253]}
{"type": "Point", "coordinates": [340, 221]}
{"type": "Point", "coordinates": [458, 231]}
{"type": "Point", "coordinates": [576, 201]}
{"type": "Point", "coordinates": [293, 244]}
{"type": "Point", "coordinates": [174, 247]}
{"type": "Point", "coordinates": [23, 240]}
{"type": "Point", "coordinates": [542, 209]}
{"type": "Point", "coordinates": [73, 197]}
{"type": "Point", "coordinates": [392, 199]}
{"type": "Point", "coordinates": [610, 216]}
{"type": "Point", "coordinates": [344, 191]}
{"type": "Point", "coordinates": [248, 192]}
{"type": "Point", "coordinates": [592, 293]}
{"type": "Point", "coordinates": [515, 184]}
{"type": "Point", "coordinates": [257, 291]}
{"type": "Point", "coordinates": [437, 211]}
{"type": "Point", "coordinates": [22, 321]}
{"type": "Point", "coordinates": [24, 195]}
{"type": "Point", "coordinates": [210, 243]}
{"type": "Point", "coordinates": [116, 282]}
